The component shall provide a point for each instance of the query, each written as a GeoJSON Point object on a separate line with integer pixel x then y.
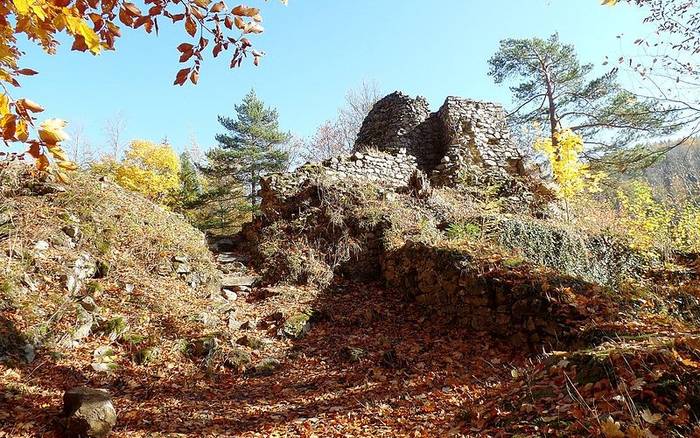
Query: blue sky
{"type": "Point", "coordinates": [316, 50]}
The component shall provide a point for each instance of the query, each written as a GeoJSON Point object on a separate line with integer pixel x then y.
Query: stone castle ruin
{"type": "Point", "coordinates": [464, 141]}
{"type": "Point", "coordinates": [461, 133]}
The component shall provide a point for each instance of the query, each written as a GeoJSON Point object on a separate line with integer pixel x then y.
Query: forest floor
{"type": "Point", "coordinates": [372, 364]}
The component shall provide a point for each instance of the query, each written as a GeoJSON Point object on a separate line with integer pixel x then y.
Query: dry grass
{"type": "Point", "coordinates": [133, 242]}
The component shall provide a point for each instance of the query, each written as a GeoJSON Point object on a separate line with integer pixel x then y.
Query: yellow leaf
{"type": "Point", "coordinates": [609, 2]}
{"type": "Point", "coordinates": [4, 104]}
{"type": "Point", "coordinates": [51, 131]}
{"type": "Point", "coordinates": [67, 165]}
{"type": "Point", "coordinates": [611, 429]}
{"type": "Point", "coordinates": [62, 177]}
{"type": "Point", "coordinates": [58, 153]}
{"type": "Point", "coordinates": [78, 27]}
{"type": "Point", "coordinates": [649, 417]}
{"type": "Point", "coordinates": [21, 130]}
{"type": "Point", "coordinates": [22, 6]}
{"type": "Point", "coordinates": [30, 105]}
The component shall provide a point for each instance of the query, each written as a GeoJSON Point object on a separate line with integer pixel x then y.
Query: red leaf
{"type": "Point", "coordinates": [185, 47]}
{"type": "Point", "coordinates": [218, 7]}
{"type": "Point", "coordinates": [181, 76]}
{"type": "Point", "coordinates": [191, 26]}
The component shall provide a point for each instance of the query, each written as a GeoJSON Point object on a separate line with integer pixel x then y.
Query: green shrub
{"type": "Point", "coordinates": [462, 231]}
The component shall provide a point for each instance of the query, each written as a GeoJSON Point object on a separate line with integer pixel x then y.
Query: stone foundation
{"type": "Point", "coordinates": [516, 304]}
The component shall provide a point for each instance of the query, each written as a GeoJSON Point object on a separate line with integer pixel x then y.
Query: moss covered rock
{"type": "Point", "coordinates": [296, 326]}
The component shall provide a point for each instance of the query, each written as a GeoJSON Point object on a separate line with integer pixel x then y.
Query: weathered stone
{"type": "Point", "coordinates": [296, 326]}
{"type": "Point", "coordinates": [41, 245]}
{"type": "Point", "coordinates": [231, 281]}
{"type": "Point", "coordinates": [267, 366]}
{"type": "Point", "coordinates": [89, 413]}
{"type": "Point", "coordinates": [72, 231]}
{"type": "Point", "coordinates": [229, 294]}
{"type": "Point", "coordinates": [226, 257]}
{"type": "Point", "coordinates": [250, 341]}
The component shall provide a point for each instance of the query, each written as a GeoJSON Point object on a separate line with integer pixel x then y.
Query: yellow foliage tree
{"type": "Point", "coordinates": [686, 235]}
{"type": "Point", "coordinates": [569, 172]}
{"type": "Point", "coordinates": [646, 221]}
{"type": "Point", "coordinates": [150, 169]}
{"type": "Point", "coordinates": [93, 25]}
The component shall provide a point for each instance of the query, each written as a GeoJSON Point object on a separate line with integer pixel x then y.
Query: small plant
{"type": "Point", "coordinates": [93, 288]}
{"type": "Point", "coordinates": [115, 327]}
{"type": "Point", "coordinates": [6, 287]}
{"type": "Point", "coordinates": [462, 231]}
{"type": "Point", "coordinates": [146, 356]}
{"type": "Point", "coordinates": [513, 262]}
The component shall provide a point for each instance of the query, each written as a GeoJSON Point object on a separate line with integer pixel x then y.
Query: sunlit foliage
{"type": "Point", "coordinates": [569, 171]}
{"type": "Point", "coordinates": [646, 220]}
{"type": "Point", "coordinates": [150, 169]}
{"type": "Point", "coordinates": [686, 234]}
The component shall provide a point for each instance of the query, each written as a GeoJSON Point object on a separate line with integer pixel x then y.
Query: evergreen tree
{"type": "Point", "coordinates": [190, 186]}
{"type": "Point", "coordinates": [553, 89]}
{"type": "Point", "coordinates": [250, 147]}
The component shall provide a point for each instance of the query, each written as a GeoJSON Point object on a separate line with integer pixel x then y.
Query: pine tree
{"type": "Point", "coordinates": [552, 88]}
{"type": "Point", "coordinates": [250, 147]}
{"type": "Point", "coordinates": [190, 186]}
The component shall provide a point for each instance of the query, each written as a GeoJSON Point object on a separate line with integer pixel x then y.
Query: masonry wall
{"type": "Point", "coordinates": [460, 134]}
{"type": "Point", "coordinates": [476, 134]}
{"type": "Point", "coordinates": [399, 122]}
{"type": "Point", "coordinates": [391, 171]}
{"type": "Point", "coordinates": [508, 303]}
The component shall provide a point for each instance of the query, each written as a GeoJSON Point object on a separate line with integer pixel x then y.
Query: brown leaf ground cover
{"type": "Point", "coordinates": [411, 375]}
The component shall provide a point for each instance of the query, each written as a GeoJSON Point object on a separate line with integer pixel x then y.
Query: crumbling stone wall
{"type": "Point", "coordinates": [389, 170]}
{"type": "Point", "coordinates": [463, 133]}
{"type": "Point", "coordinates": [399, 122]}
{"type": "Point", "coordinates": [465, 143]}
{"type": "Point", "coordinates": [598, 258]}
{"type": "Point", "coordinates": [517, 304]}
{"type": "Point", "coordinates": [476, 134]}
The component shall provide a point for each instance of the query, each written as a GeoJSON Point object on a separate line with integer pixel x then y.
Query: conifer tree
{"type": "Point", "coordinates": [190, 186]}
{"type": "Point", "coordinates": [552, 88]}
{"type": "Point", "coordinates": [250, 147]}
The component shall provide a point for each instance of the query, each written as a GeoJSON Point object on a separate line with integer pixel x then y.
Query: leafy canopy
{"type": "Point", "coordinates": [94, 26]}
{"type": "Point", "coordinates": [150, 169]}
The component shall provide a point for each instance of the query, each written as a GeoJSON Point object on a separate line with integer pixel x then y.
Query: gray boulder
{"type": "Point", "coordinates": [88, 413]}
